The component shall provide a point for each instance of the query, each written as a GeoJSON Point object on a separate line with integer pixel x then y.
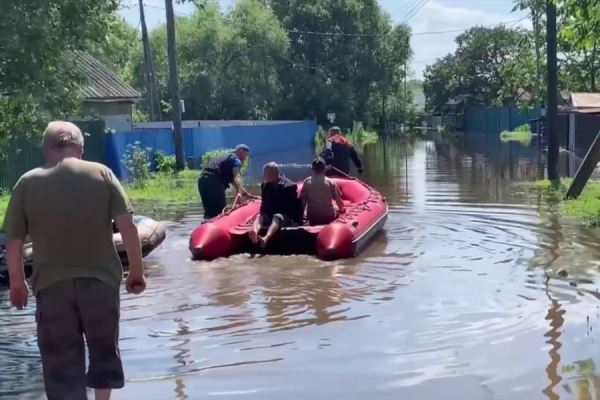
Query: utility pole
{"type": "Point", "coordinates": [535, 17]}
{"type": "Point", "coordinates": [553, 172]}
{"type": "Point", "coordinates": [151, 91]}
{"type": "Point", "coordinates": [174, 85]}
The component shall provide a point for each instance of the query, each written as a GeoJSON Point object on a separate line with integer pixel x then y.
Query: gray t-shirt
{"type": "Point", "coordinates": [318, 192]}
{"type": "Point", "coordinates": [67, 210]}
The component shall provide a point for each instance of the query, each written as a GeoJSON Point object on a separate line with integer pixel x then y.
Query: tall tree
{"type": "Point", "coordinates": [332, 64]}
{"type": "Point", "coordinates": [483, 70]}
{"type": "Point", "coordinates": [36, 82]}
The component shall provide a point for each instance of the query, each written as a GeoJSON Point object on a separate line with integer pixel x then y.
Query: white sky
{"type": "Point", "coordinates": [432, 16]}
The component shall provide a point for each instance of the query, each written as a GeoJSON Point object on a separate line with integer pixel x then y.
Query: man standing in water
{"type": "Point", "coordinates": [216, 177]}
{"type": "Point", "coordinates": [339, 151]}
{"type": "Point", "coordinates": [67, 207]}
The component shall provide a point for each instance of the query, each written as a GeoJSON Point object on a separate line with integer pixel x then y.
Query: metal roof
{"type": "Point", "coordinates": [102, 85]}
{"type": "Point", "coordinates": [585, 100]}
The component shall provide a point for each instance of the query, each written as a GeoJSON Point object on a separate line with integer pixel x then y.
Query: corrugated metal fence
{"type": "Point", "coordinates": [279, 141]}
{"type": "Point", "coordinates": [494, 120]}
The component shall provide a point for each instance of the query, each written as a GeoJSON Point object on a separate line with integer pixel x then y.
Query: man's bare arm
{"type": "Point", "coordinates": [136, 282]}
{"type": "Point", "coordinates": [19, 291]}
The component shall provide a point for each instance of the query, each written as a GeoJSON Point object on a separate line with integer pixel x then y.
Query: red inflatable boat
{"type": "Point", "coordinates": [366, 213]}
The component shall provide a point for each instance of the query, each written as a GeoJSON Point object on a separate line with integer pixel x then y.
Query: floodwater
{"type": "Point", "coordinates": [459, 298]}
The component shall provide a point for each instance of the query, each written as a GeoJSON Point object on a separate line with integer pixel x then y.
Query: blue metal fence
{"type": "Point", "coordinates": [283, 142]}
{"type": "Point", "coordinates": [494, 120]}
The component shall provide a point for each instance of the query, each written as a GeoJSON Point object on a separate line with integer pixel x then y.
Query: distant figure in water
{"type": "Point", "coordinates": [317, 194]}
{"type": "Point", "coordinates": [216, 177]}
{"type": "Point", "coordinates": [279, 207]}
{"type": "Point", "coordinates": [67, 208]}
{"type": "Point", "coordinates": [339, 151]}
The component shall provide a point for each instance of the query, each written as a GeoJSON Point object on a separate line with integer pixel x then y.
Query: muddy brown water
{"type": "Point", "coordinates": [459, 298]}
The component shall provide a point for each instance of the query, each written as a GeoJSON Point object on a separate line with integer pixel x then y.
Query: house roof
{"type": "Point", "coordinates": [102, 85]}
{"type": "Point", "coordinates": [585, 100]}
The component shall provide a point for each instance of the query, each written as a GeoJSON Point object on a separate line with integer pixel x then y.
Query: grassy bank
{"type": "Point", "coordinates": [585, 208]}
{"type": "Point", "coordinates": [172, 188]}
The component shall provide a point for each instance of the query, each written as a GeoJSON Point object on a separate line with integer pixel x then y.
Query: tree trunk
{"type": "Point", "coordinates": [174, 85]}
{"type": "Point", "coordinates": [536, 35]}
{"type": "Point", "coordinates": [553, 171]}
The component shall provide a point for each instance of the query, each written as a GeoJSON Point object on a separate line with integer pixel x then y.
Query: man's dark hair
{"type": "Point", "coordinates": [318, 165]}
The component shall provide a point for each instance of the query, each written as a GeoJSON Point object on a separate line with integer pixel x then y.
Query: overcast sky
{"type": "Point", "coordinates": [432, 16]}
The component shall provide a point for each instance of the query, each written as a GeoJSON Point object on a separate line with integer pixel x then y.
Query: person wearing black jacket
{"type": "Point", "coordinates": [339, 151]}
{"type": "Point", "coordinates": [216, 177]}
{"type": "Point", "coordinates": [280, 205]}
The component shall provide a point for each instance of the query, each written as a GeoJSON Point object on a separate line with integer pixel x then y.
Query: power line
{"type": "Point", "coordinates": [415, 11]}
{"type": "Point", "coordinates": [404, 7]}
{"type": "Point", "coordinates": [300, 32]}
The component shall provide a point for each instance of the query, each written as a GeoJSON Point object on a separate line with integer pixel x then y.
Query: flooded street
{"type": "Point", "coordinates": [459, 298]}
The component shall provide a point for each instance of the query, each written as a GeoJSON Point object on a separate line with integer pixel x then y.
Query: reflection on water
{"type": "Point", "coordinates": [468, 292]}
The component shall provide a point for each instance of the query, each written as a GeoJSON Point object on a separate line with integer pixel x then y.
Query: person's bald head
{"type": "Point", "coordinates": [62, 139]}
{"type": "Point", "coordinates": [271, 172]}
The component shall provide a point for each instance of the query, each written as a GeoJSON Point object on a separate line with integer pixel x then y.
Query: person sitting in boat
{"type": "Point", "coordinates": [339, 151]}
{"type": "Point", "coordinates": [279, 207]}
{"type": "Point", "coordinates": [216, 177]}
{"type": "Point", "coordinates": [317, 195]}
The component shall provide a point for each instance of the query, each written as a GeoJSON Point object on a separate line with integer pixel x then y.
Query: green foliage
{"type": "Point", "coordinates": [37, 81]}
{"type": "Point", "coordinates": [4, 197]}
{"type": "Point", "coordinates": [320, 139]}
{"type": "Point", "coordinates": [487, 68]}
{"type": "Point", "coordinates": [136, 160]}
{"type": "Point", "coordinates": [360, 137]}
{"type": "Point", "coordinates": [522, 134]}
{"type": "Point", "coordinates": [140, 115]}
{"type": "Point", "coordinates": [165, 164]}
{"type": "Point", "coordinates": [242, 64]}
{"type": "Point", "coordinates": [585, 208]}
{"type": "Point", "coordinates": [121, 50]}
{"type": "Point", "coordinates": [209, 155]}
{"type": "Point", "coordinates": [166, 188]}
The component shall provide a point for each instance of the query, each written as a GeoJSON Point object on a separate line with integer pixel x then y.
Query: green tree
{"type": "Point", "coordinates": [441, 84]}
{"type": "Point", "coordinates": [341, 70]}
{"type": "Point", "coordinates": [226, 62]}
{"type": "Point", "coordinates": [484, 70]}
{"type": "Point", "coordinates": [36, 82]}
{"type": "Point", "coordinates": [121, 49]}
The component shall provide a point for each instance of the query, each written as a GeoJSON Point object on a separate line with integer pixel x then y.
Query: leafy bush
{"type": "Point", "coordinates": [320, 139]}
{"type": "Point", "coordinates": [137, 162]}
{"type": "Point", "coordinates": [209, 155]}
{"type": "Point", "coordinates": [522, 135]}
{"type": "Point", "coordinates": [360, 137]}
{"type": "Point", "coordinates": [165, 164]}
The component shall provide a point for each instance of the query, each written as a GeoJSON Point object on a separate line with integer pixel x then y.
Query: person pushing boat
{"type": "Point", "coordinates": [216, 177]}
{"type": "Point", "coordinates": [339, 151]}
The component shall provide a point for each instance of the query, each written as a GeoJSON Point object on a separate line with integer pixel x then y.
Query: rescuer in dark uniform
{"type": "Point", "coordinates": [339, 151]}
{"type": "Point", "coordinates": [216, 177]}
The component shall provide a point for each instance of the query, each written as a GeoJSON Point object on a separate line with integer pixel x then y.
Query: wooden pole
{"type": "Point", "coordinates": [147, 56]}
{"type": "Point", "coordinates": [553, 172]}
{"type": "Point", "coordinates": [174, 85]}
{"type": "Point", "coordinates": [585, 169]}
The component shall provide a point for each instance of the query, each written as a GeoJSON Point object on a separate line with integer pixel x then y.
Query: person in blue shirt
{"type": "Point", "coordinates": [217, 175]}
